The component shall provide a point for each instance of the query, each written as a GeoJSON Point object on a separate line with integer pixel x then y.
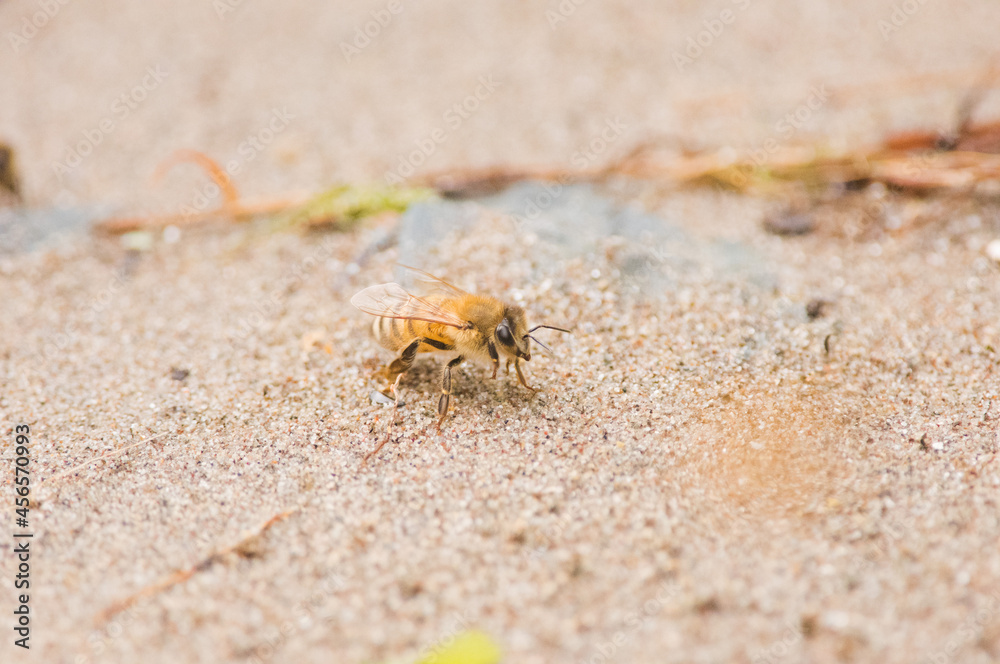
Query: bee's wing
{"type": "Point", "coordinates": [391, 301]}
{"type": "Point", "coordinates": [435, 283]}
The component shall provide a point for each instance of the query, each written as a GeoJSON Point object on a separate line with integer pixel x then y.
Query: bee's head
{"type": "Point", "coordinates": [509, 334]}
{"type": "Point", "coordinates": [513, 336]}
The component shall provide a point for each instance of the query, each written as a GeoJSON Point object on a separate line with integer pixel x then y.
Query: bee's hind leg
{"type": "Point", "coordinates": [400, 365]}
{"type": "Point", "coordinates": [446, 390]}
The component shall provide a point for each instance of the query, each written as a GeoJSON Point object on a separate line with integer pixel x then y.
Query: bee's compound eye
{"type": "Point", "coordinates": [504, 335]}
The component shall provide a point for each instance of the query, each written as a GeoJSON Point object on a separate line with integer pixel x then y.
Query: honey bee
{"type": "Point", "coordinates": [447, 320]}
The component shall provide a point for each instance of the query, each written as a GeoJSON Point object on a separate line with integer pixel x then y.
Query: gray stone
{"type": "Point", "coordinates": [24, 229]}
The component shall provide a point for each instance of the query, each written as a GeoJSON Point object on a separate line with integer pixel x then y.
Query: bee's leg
{"type": "Point", "coordinates": [446, 390]}
{"type": "Point", "coordinates": [402, 363]}
{"type": "Point", "coordinates": [392, 421]}
{"type": "Point", "coordinates": [493, 356]}
{"type": "Point", "coordinates": [520, 376]}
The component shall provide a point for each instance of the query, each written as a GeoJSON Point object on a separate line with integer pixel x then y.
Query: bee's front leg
{"type": "Point", "coordinates": [520, 376]}
{"type": "Point", "coordinates": [446, 390]}
{"type": "Point", "coordinates": [494, 356]}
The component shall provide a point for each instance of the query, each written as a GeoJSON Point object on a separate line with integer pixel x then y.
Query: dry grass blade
{"type": "Point", "coordinates": [231, 207]}
{"type": "Point", "coordinates": [338, 207]}
{"type": "Point", "coordinates": [209, 165]}
{"type": "Point", "coordinates": [181, 576]}
{"type": "Point", "coordinates": [104, 457]}
{"type": "Point", "coordinates": [919, 171]}
{"type": "Point", "coordinates": [472, 183]}
{"type": "Point", "coordinates": [937, 170]}
{"type": "Point", "coordinates": [235, 213]}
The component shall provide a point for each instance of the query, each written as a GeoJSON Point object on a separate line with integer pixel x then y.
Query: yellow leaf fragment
{"type": "Point", "coordinates": [472, 647]}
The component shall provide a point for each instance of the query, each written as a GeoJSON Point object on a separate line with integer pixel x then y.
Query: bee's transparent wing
{"type": "Point", "coordinates": [392, 301]}
{"type": "Point", "coordinates": [434, 284]}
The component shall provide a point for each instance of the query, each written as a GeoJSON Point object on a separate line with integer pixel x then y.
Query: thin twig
{"type": "Point", "coordinates": [231, 207]}
{"type": "Point", "coordinates": [234, 212]}
{"type": "Point", "coordinates": [181, 576]}
{"type": "Point", "coordinates": [210, 166]}
{"type": "Point", "coordinates": [103, 457]}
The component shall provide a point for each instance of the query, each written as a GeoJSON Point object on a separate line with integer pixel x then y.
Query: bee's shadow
{"type": "Point", "coordinates": [470, 383]}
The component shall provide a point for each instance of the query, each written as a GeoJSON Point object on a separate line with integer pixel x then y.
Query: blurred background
{"type": "Point", "coordinates": [298, 96]}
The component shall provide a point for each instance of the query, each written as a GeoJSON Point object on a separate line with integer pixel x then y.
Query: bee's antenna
{"type": "Point", "coordinates": [528, 336]}
{"type": "Point", "coordinates": [551, 327]}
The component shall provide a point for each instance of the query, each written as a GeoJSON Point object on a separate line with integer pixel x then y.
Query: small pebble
{"type": "Point", "coordinates": [379, 398]}
{"type": "Point", "coordinates": [835, 620]}
{"type": "Point", "coordinates": [138, 240]}
{"type": "Point", "coordinates": [789, 223]}
{"type": "Point", "coordinates": [993, 251]}
{"type": "Point", "coordinates": [816, 308]}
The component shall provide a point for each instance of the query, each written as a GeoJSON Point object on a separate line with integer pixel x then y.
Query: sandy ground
{"type": "Point", "coordinates": [707, 474]}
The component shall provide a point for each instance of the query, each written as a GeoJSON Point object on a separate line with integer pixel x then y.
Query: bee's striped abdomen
{"type": "Point", "coordinates": [388, 334]}
{"type": "Point", "coordinates": [396, 334]}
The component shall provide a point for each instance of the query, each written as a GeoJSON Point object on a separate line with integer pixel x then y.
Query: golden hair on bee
{"type": "Point", "coordinates": [447, 320]}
